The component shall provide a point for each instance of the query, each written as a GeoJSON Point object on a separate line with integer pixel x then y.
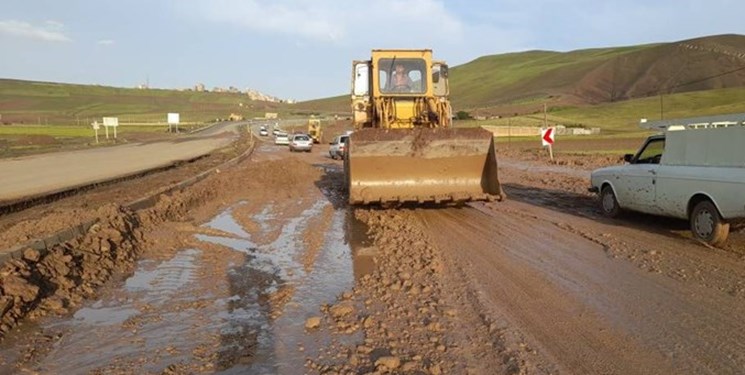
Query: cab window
{"type": "Point", "coordinates": [402, 76]}
{"type": "Point", "coordinates": [652, 152]}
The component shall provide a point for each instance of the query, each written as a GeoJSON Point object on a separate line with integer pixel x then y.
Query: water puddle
{"type": "Point", "coordinates": [164, 314]}
{"type": "Point", "coordinates": [225, 222]}
{"type": "Point", "coordinates": [278, 346]}
{"type": "Point", "coordinates": [130, 326]}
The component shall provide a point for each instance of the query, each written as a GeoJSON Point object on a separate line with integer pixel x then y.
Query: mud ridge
{"type": "Point", "coordinates": [410, 323]}
{"type": "Point", "coordinates": [54, 275]}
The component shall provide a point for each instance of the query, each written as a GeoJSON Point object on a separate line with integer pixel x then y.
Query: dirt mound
{"type": "Point", "coordinates": [281, 174]}
{"type": "Point", "coordinates": [410, 324]}
{"type": "Point", "coordinates": [57, 280]}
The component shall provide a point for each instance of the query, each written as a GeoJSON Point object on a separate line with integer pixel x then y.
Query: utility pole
{"type": "Point", "coordinates": [662, 109]}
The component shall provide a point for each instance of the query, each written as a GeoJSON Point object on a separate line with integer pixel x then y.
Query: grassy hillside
{"type": "Point", "coordinates": [336, 104]}
{"type": "Point", "coordinates": [31, 102]}
{"type": "Point", "coordinates": [624, 116]}
{"type": "Point", "coordinates": [522, 82]}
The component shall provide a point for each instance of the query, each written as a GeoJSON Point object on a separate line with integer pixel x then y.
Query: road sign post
{"type": "Point", "coordinates": [547, 139]}
{"type": "Point", "coordinates": [110, 122]}
{"type": "Point", "coordinates": [96, 126]}
{"type": "Point", "coordinates": [173, 120]}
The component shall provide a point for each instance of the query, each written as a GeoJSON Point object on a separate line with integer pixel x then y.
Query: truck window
{"type": "Point", "coordinates": [652, 152]}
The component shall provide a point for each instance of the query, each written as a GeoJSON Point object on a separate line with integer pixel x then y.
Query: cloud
{"type": "Point", "coordinates": [333, 21]}
{"type": "Point", "coordinates": [105, 42]}
{"type": "Point", "coordinates": [51, 31]}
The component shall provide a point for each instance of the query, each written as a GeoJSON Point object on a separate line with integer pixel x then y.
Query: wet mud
{"type": "Point", "coordinates": [264, 269]}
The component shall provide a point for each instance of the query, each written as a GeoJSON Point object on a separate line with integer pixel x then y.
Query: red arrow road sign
{"type": "Point", "coordinates": [547, 136]}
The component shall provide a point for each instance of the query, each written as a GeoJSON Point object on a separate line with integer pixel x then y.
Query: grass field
{"type": "Point", "coordinates": [42, 103]}
{"type": "Point", "coordinates": [623, 117]}
{"type": "Point", "coordinates": [71, 131]}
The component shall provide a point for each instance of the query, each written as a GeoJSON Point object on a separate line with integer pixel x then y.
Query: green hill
{"type": "Point", "coordinates": [521, 82]}
{"type": "Point", "coordinates": [30, 102]}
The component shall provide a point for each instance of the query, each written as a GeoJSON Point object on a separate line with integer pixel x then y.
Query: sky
{"type": "Point", "coordinates": [303, 49]}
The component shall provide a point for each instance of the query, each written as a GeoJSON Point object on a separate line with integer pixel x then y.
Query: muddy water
{"type": "Point", "coordinates": [163, 314]}
{"type": "Point", "coordinates": [283, 346]}
{"type": "Point", "coordinates": [144, 318]}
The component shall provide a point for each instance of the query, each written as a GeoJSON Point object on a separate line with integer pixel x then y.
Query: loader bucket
{"type": "Point", "coordinates": [421, 165]}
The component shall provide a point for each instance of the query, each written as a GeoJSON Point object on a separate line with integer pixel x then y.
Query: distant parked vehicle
{"type": "Point", "coordinates": [301, 142]}
{"type": "Point", "coordinates": [336, 148]}
{"type": "Point", "coordinates": [281, 139]}
{"type": "Point", "coordinates": [693, 171]}
{"type": "Point", "coordinates": [263, 132]}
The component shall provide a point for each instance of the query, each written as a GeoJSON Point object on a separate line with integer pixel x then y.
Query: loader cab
{"type": "Point", "coordinates": [400, 89]}
{"type": "Point", "coordinates": [402, 76]}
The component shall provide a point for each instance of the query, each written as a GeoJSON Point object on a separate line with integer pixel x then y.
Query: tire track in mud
{"type": "Point", "coordinates": [583, 311]}
{"type": "Point", "coordinates": [651, 249]}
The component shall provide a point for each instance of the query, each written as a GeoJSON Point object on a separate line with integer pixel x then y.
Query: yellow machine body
{"type": "Point", "coordinates": [404, 148]}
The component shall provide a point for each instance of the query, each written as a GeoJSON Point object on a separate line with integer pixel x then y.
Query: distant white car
{"type": "Point", "coordinates": [281, 139]}
{"type": "Point", "coordinates": [301, 142]}
{"type": "Point", "coordinates": [263, 132]}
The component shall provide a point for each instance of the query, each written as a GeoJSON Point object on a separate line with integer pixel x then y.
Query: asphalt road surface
{"type": "Point", "coordinates": [47, 173]}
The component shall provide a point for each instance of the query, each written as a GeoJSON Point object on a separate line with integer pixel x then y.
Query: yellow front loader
{"type": "Point", "coordinates": [314, 130]}
{"type": "Point", "coordinates": [404, 148]}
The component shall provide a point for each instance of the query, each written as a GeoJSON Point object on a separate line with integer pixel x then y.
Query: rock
{"type": "Point", "coordinates": [57, 264]}
{"type": "Point", "coordinates": [364, 349]}
{"type": "Point", "coordinates": [31, 255]}
{"type": "Point", "coordinates": [55, 304]}
{"type": "Point", "coordinates": [6, 303]}
{"type": "Point", "coordinates": [435, 370]}
{"type": "Point", "coordinates": [390, 362]}
{"type": "Point", "coordinates": [17, 286]}
{"type": "Point", "coordinates": [353, 360]}
{"type": "Point", "coordinates": [341, 309]}
{"type": "Point", "coordinates": [409, 366]}
{"type": "Point", "coordinates": [313, 322]}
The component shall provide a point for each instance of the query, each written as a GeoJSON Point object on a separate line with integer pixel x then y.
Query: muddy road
{"type": "Point", "coordinates": [262, 268]}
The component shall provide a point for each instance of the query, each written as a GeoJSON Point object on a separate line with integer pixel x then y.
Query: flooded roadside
{"type": "Point", "coordinates": [225, 304]}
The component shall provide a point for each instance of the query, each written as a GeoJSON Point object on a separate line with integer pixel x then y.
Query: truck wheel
{"type": "Point", "coordinates": [707, 225]}
{"type": "Point", "coordinates": [609, 203]}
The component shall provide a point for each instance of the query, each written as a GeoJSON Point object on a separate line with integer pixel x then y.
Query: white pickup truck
{"type": "Point", "coordinates": [694, 171]}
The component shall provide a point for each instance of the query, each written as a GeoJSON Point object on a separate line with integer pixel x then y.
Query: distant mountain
{"type": "Point", "coordinates": [520, 81]}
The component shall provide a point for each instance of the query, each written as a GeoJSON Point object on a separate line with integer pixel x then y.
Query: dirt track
{"type": "Point", "coordinates": [263, 269]}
